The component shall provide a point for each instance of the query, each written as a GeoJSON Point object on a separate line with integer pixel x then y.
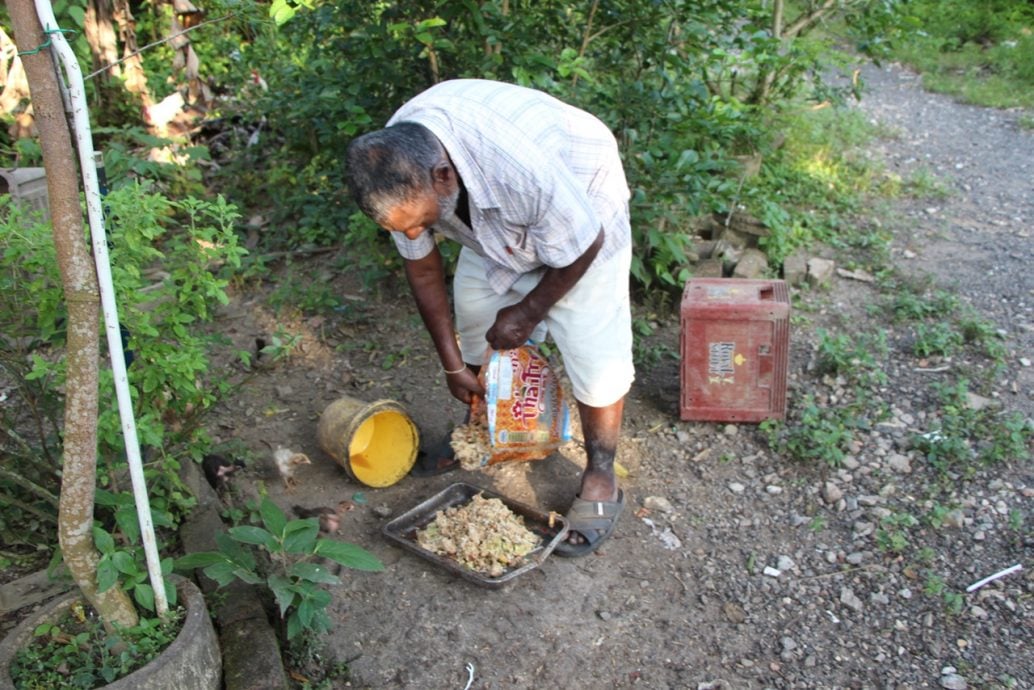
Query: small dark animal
{"type": "Point", "coordinates": [329, 518]}
{"type": "Point", "coordinates": [218, 469]}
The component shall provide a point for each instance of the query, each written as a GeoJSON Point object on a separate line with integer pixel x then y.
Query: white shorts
{"type": "Point", "coordinates": [591, 324]}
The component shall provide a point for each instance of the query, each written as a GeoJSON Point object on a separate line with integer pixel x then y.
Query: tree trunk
{"type": "Point", "coordinates": [82, 296]}
{"type": "Point", "coordinates": [100, 34]}
{"type": "Point", "coordinates": [135, 78]}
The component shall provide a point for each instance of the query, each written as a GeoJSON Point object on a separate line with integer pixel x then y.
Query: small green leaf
{"type": "Point", "coordinates": [313, 572]}
{"type": "Point", "coordinates": [124, 563]}
{"type": "Point", "coordinates": [107, 576]}
{"type": "Point", "coordinates": [294, 625]}
{"type": "Point", "coordinates": [281, 588]}
{"type": "Point", "coordinates": [166, 565]}
{"type": "Point", "coordinates": [305, 611]}
{"type": "Point", "coordinates": [247, 576]}
{"type": "Point", "coordinates": [248, 534]}
{"type": "Point", "coordinates": [107, 498]}
{"type": "Point", "coordinates": [300, 535]}
{"type": "Point", "coordinates": [234, 552]}
{"type": "Point", "coordinates": [348, 555]}
{"type": "Point", "coordinates": [104, 541]}
{"type": "Point", "coordinates": [144, 596]}
{"type": "Point", "coordinates": [201, 559]}
{"type": "Point", "coordinates": [222, 573]}
{"type": "Point", "coordinates": [171, 593]}
{"type": "Point", "coordinates": [125, 518]}
{"type": "Point", "coordinates": [272, 517]}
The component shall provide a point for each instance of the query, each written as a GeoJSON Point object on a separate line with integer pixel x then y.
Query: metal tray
{"type": "Point", "coordinates": [402, 530]}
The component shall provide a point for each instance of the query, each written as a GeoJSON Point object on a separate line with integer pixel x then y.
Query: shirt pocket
{"type": "Point", "coordinates": [519, 246]}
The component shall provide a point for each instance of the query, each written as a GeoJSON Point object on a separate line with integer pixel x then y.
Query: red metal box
{"type": "Point", "coordinates": [735, 347]}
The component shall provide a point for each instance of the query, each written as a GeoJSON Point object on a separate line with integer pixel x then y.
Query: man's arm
{"type": "Point", "coordinates": [426, 278]}
{"type": "Point", "coordinates": [514, 324]}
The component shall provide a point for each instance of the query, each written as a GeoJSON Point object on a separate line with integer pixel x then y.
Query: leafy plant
{"type": "Point", "coordinates": [892, 534]}
{"type": "Point", "coordinates": [77, 652]}
{"type": "Point", "coordinates": [120, 567]}
{"type": "Point", "coordinates": [282, 344]}
{"type": "Point", "coordinates": [967, 438]}
{"type": "Point", "coordinates": [852, 355]}
{"type": "Point", "coordinates": [170, 265]}
{"type": "Point", "coordinates": [820, 433]}
{"type": "Point", "coordinates": [645, 353]}
{"type": "Point", "coordinates": [304, 293]}
{"type": "Point", "coordinates": [924, 184]}
{"type": "Point", "coordinates": [983, 334]}
{"type": "Point", "coordinates": [939, 338]}
{"type": "Point", "coordinates": [935, 586]}
{"type": "Point", "coordinates": [291, 567]}
{"type": "Point", "coordinates": [909, 303]}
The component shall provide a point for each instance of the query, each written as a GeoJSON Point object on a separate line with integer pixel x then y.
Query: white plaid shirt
{"type": "Point", "coordinates": [542, 177]}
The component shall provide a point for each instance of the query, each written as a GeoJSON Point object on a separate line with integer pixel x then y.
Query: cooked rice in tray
{"type": "Point", "coordinates": [483, 535]}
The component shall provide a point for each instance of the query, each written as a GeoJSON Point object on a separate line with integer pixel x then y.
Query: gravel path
{"type": "Point", "coordinates": [977, 241]}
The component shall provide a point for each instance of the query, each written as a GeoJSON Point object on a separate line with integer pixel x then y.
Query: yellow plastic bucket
{"type": "Point", "coordinates": [375, 442]}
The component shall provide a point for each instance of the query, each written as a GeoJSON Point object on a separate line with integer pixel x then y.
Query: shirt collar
{"type": "Point", "coordinates": [481, 195]}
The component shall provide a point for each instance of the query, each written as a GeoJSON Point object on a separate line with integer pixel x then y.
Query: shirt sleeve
{"type": "Point", "coordinates": [414, 249]}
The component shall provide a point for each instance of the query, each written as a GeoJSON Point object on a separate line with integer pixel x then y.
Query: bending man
{"type": "Point", "coordinates": [534, 191]}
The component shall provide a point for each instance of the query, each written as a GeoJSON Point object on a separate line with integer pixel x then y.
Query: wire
{"type": "Point", "coordinates": [46, 44]}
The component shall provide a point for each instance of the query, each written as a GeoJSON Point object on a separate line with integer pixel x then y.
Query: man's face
{"type": "Point", "coordinates": [412, 218]}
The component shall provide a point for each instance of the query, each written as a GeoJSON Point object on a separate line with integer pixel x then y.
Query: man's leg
{"type": "Point", "coordinates": [601, 427]}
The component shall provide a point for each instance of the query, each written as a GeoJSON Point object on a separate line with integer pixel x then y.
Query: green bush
{"type": "Point", "coordinates": [685, 86]}
{"type": "Point", "coordinates": [290, 565]}
{"type": "Point", "coordinates": [171, 262]}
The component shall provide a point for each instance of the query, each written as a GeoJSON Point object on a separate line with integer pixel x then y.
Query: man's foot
{"type": "Point", "coordinates": [438, 459]}
{"type": "Point", "coordinates": [592, 522]}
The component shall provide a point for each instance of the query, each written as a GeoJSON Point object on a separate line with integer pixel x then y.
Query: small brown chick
{"type": "Point", "coordinates": [330, 518]}
{"type": "Point", "coordinates": [287, 461]}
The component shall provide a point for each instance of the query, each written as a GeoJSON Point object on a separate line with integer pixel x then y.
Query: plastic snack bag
{"type": "Point", "coordinates": [523, 415]}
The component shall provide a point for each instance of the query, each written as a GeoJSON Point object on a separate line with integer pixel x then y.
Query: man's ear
{"type": "Point", "coordinates": [443, 176]}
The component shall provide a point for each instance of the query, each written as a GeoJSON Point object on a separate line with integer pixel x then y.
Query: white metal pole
{"type": "Point", "coordinates": [73, 84]}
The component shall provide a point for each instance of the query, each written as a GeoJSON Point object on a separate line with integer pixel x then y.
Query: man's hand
{"type": "Point", "coordinates": [513, 325]}
{"type": "Point", "coordinates": [464, 386]}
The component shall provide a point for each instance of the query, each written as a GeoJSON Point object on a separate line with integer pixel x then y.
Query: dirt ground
{"type": "Point", "coordinates": [731, 567]}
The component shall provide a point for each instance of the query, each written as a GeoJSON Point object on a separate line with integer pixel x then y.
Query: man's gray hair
{"type": "Point", "coordinates": [391, 166]}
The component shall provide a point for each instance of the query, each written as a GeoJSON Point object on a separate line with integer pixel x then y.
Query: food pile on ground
{"type": "Point", "coordinates": [470, 443]}
{"type": "Point", "coordinates": [483, 535]}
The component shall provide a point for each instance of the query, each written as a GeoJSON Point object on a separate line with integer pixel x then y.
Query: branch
{"type": "Point", "coordinates": [586, 37]}
{"type": "Point", "coordinates": [808, 19]}
{"type": "Point", "coordinates": [41, 514]}
{"type": "Point", "coordinates": [29, 486]}
{"type": "Point", "coordinates": [606, 29]}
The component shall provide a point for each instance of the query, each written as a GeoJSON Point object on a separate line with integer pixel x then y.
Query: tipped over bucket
{"type": "Point", "coordinates": [375, 442]}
